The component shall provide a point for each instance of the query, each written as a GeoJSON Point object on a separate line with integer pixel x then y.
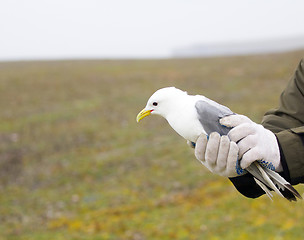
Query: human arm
{"type": "Point", "coordinates": [287, 123]}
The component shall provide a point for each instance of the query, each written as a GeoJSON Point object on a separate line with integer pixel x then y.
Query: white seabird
{"type": "Point", "coordinates": [190, 116]}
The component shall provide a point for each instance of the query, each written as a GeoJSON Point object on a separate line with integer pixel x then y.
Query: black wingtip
{"type": "Point", "coordinates": [292, 194]}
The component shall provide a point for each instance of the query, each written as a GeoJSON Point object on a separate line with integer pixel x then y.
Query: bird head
{"type": "Point", "coordinates": [161, 102]}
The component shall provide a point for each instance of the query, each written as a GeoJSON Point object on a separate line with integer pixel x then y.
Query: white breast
{"type": "Point", "coordinates": [185, 121]}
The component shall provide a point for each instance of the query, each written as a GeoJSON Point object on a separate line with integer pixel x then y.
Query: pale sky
{"type": "Point", "coordinates": [50, 29]}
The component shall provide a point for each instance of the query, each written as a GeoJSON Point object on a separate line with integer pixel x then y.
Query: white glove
{"type": "Point", "coordinates": [218, 154]}
{"type": "Point", "coordinates": [254, 142]}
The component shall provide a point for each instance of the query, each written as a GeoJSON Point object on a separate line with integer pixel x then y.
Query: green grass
{"type": "Point", "coordinates": [74, 164]}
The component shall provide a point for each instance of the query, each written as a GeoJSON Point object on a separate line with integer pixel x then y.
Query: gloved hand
{"type": "Point", "coordinates": [254, 142]}
{"type": "Point", "coordinates": [218, 154]}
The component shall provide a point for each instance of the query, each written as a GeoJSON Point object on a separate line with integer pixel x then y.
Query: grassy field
{"type": "Point", "coordinates": [74, 164]}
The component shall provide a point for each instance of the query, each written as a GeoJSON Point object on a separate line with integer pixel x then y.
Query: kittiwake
{"type": "Point", "coordinates": [193, 115]}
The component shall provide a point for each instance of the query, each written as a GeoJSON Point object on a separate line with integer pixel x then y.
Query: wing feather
{"type": "Point", "coordinates": [209, 116]}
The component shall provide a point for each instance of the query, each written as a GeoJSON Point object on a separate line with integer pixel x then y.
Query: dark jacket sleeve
{"type": "Point", "coordinates": [287, 122]}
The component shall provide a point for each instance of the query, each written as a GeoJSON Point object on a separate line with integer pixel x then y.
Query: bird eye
{"type": "Point", "coordinates": [155, 104]}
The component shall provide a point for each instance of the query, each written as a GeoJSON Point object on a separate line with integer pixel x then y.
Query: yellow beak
{"type": "Point", "coordinates": [143, 113]}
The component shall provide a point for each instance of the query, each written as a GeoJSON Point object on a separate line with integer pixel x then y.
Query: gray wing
{"type": "Point", "coordinates": [210, 115]}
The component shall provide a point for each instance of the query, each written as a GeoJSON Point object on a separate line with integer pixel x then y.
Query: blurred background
{"type": "Point", "coordinates": [74, 164]}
